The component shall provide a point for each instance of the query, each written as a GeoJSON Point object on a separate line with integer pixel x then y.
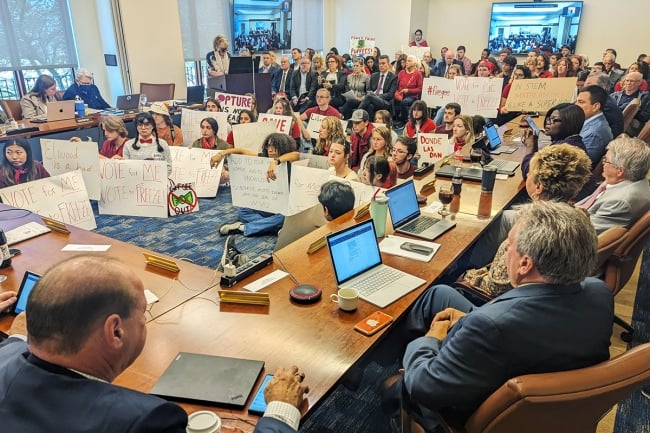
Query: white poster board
{"type": "Point", "coordinates": [282, 123]}
{"type": "Point", "coordinates": [540, 94]}
{"type": "Point", "coordinates": [362, 46]}
{"type": "Point", "coordinates": [304, 187]}
{"type": "Point", "coordinates": [416, 51]}
{"type": "Point", "coordinates": [191, 124]}
{"type": "Point", "coordinates": [250, 188]}
{"type": "Point", "coordinates": [362, 192]}
{"type": "Point", "coordinates": [251, 135]}
{"type": "Point", "coordinates": [433, 147]}
{"type": "Point", "coordinates": [476, 95]}
{"type": "Point", "coordinates": [437, 91]}
{"type": "Point", "coordinates": [232, 104]}
{"type": "Point", "coordinates": [63, 156]}
{"type": "Point", "coordinates": [314, 124]}
{"type": "Point", "coordinates": [134, 187]}
{"type": "Point", "coordinates": [193, 166]}
{"type": "Point", "coordinates": [62, 197]}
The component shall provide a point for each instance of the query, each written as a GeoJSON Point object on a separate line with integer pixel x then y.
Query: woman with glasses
{"type": "Point", "coordinates": [34, 103]}
{"type": "Point", "coordinates": [146, 144]}
{"type": "Point", "coordinates": [84, 88]}
{"type": "Point", "coordinates": [333, 78]}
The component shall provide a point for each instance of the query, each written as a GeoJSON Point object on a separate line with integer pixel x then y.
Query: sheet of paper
{"type": "Point", "coordinates": [391, 245]}
{"type": "Point", "coordinates": [266, 280]}
{"type": "Point", "coordinates": [81, 247]}
{"type": "Point", "coordinates": [150, 297]}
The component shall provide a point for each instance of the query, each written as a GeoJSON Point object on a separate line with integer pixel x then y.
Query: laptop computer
{"type": "Point", "coordinates": [496, 146]}
{"type": "Point", "coordinates": [217, 83]}
{"type": "Point", "coordinates": [406, 217]}
{"type": "Point", "coordinates": [29, 281]}
{"type": "Point", "coordinates": [128, 103]}
{"type": "Point", "coordinates": [59, 110]}
{"type": "Point", "coordinates": [357, 263]}
{"type": "Point", "coordinates": [207, 378]}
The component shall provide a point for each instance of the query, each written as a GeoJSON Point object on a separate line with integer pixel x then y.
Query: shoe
{"type": "Point", "coordinates": [230, 252]}
{"type": "Point", "coordinates": [232, 228]}
{"type": "Point", "coordinates": [645, 391]}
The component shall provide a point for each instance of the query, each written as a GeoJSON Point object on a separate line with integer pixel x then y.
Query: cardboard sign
{"type": "Point", "coordinates": [193, 166]}
{"type": "Point", "coordinates": [191, 124]}
{"type": "Point", "coordinates": [233, 104]}
{"type": "Point", "coordinates": [282, 123]}
{"type": "Point", "coordinates": [251, 135]}
{"type": "Point", "coordinates": [314, 124]}
{"type": "Point", "coordinates": [304, 187]}
{"type": "Point", "coordinates": [134, 187]}
{"type": "Point", "coordinates": [438, 91]}
{"type": "Point", "coordinates": [63, 156]}
{"type": "Point", "coordinates": [539, 94]}
{"type": "Point", "coordinates": [62, 197]}
{"type": "Point", "coordinates": [416, 51]}
{"type": "Point", "coordinates": [433, 147]}
{"type": "Point", "coordinates": [182, 199]}
{"type": "Point", "coordinates": [361, 45]}
{"type": "Point", "coordinates": [251, 189]}
{"type": "Point", "coordinates": [362, 192]}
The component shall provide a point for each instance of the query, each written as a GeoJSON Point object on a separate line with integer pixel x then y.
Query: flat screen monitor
{"type": "Point", "coordinates": [261, 25]}
{"type": "Point", "coordinates": [542, 26]}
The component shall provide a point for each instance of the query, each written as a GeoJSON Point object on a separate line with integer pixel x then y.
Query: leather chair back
{"type": "Point", "coordinates": [629, 112]}
{"type": "Point", "coordinates": [644, 134]}
{"type": "Point", "coordinates": [608, 242]}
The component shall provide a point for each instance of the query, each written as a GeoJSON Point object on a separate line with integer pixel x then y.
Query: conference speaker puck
{"type": "Point", "coordinates": [305, 294]}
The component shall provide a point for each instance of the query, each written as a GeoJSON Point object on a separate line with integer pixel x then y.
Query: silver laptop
{"type": "Point", "coordinates": [357, 264]}
{"type": "Point", "coordinates": [128, 103]}
{"type": "Point", "coordinates": [406, 217]}
{"type": "Point", "coordinates": [494, 140]}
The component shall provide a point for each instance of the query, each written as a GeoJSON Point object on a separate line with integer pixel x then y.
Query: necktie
{"type": "Point", "coordinates": [380, 85]}
{"type": "Point", "coordinates": [594, 196]}
{"type": "Point", "coordinates": [147, 140]}
{"type": "Point", "coordinates": [283, 81]}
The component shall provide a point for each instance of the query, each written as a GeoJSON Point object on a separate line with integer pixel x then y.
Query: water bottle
{"type": "Point", "coordinates": [79, 106]}
{"type": "Point", "coordinates": [4, 250]}
{"type": "Point", "coordinates": [456, 185]}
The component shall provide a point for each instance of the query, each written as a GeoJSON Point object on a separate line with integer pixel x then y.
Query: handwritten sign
{"type": "Point", "coordinates": [133, 187]}
{"type": "Point", "coordinates": [362, 192]}
{"type": "Point", "coordinates": [315, 161]}
{"type": "Point", "coordinates": [416, 51]}
{"type": "Point", "coordinates": [282, 123]}
{"type": "Point", "coordinates": [539, 94]}
{"type": "Point", "coordinates": [191, 124]}
{"type": "Point", "coordinates": [182, 199]}
{"type": "Point", "coordinates": [313, 126]}
{"type": "Point", "coordinates": [437, 91]}
{"type": "Point", "coordinates": [233, 104]}
{"type": "Point", "coordinates": [433, 147]}
{"type": "Point", "coordinates": [304, 187]}
{"type": "Point", "coordinates": [193, 166]}
{"type": "Point", "coordinates": [62, 197]}
{"type": "Point", "coordinates": [361, 45]}
{"type": "Point", "coordinates": [251, 135]}
{"type": "Point", "coordinates": [476, 95]}
{"type": "Point", "coordinates": [63, 156]}
{"type": "Point", "coordinates": [251, 189]}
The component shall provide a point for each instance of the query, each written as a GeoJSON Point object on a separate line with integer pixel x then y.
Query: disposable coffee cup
{"type": "Point", "coordinates": [347, 298]}
{"type": "Point", "coordinates": [378, 213]}
{"type": "Point", "coordinates": [203, 421]}
{"type": "Point", "coordinates": [489, 176]}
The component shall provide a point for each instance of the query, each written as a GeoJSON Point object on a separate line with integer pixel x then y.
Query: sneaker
{"type": "Point", "coordinates": [230, 252]}
{"type": "Point", "coordinates": [229, 229]}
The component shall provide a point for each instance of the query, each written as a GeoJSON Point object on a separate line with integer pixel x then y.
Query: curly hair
{"type": "Point", "coordinates": [562, 170]}
{"type": "Point", "coordinates": [334, 130]}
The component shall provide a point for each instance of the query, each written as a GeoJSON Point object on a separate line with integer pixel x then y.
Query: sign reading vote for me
{"type": "Point", "coordinates": [433, 147]}
{"type": "Point", "coordinates": [62, 197]}
{"type": "Point", "coordinates": [63, 156]}
{"type": "Point", "coordinates": [251, 189]}
{"type": "Point", "coordinates": [133, 187]}
{"type": "Point", "coordinates": [193, 166]}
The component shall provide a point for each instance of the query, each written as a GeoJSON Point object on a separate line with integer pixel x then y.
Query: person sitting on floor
{"type": "Point", "coordinates": [18, 165]}
{"type": "Point", "coordinates": [166, 129]}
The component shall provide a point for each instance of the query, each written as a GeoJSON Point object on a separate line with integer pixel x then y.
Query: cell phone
{"type": "Point", "coordinates": [532, 125]}
{"type": "Point", "coordinates": [258, 405]}
{"type": "Point", "coordinates": [14, 252]}
{"type": "Point", "coordinates": [416, 248]}
{"type": "Point", "coordinates": [373, 323]}
{"type": "Point", "coordinates": [29, 281]}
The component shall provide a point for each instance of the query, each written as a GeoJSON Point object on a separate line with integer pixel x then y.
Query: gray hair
{"type": "Point", "coordinates": [83, 72]}
{"type": "Point", "coordinates": [632, 155]}
{"type": "Point", "coordinates": [602, 79]}
{"type": "Point", "coordinates": [559, 239]}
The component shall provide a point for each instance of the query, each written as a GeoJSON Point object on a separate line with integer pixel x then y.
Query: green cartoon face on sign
{"type": "Point", "coordinates": [182, 199]}
{"type": "Point", "coordinates": [361, 43]}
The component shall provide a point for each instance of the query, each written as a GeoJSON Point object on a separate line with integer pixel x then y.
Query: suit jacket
{"type": "Point", "coordinates": [614, 116]}
{"type": "Point", "coordinates": [389, 88]}
{"type": "Point", "coordinates": [441, 67]}
{"type": "Point", "coordinates": [277, 80]}
{"type": "Point", "coordinates": [619, 205]}
{"type": "Point", "coordinates": [311, 85]}
{"type": "Point", "coordinates": [338, 88]}
{"type": "Point", "coordinates": [536, 328]}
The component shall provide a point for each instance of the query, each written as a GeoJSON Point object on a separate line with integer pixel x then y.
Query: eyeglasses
{"type": "Point", "coordinates": [143, 124]}
{"type": "Point", "coordinates": [322, 96]}
{"type": "Point", "coordinates": [553, 120]}
{"type": "Point", "coordinates": [400, 151]}
{"type": "Point", "coordinates": [606, 161]}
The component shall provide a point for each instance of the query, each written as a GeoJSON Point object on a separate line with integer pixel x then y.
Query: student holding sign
{"type": "Point", "coordinates": [282, 107]}
{"type": "Point", "coordinates": [209, 139]}
{"type": "Point", "coordinates": [419, 120]}
{"type": "Point", "coordinates": [18, 165]}
{"type": "Point", "coordinates": [147, 144]}
{"type": "Point", "coordinates": [245, 116]}
{"type": "Point", "coordinates": [250, 222]}
{"type": "Point", "coordinates": [116, 135]}
{"type": "Point", "coordinates": [330, 130]}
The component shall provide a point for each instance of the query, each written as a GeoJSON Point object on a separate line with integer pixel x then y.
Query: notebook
{"type": "Point", "coordinates": [494, 139]}
{"type": "Point", "coordinates": [128, 103]}
{"type": "Point", "coordinates": [357, 264]}
{"type": "Point", "coordinates": [29, 281]}
{"type": "Point", "coordinates": [59, 110]}
{"type": "Point", "coordinates": [406, 217]}
{"type": "Point", "coordinates": [207, 378]}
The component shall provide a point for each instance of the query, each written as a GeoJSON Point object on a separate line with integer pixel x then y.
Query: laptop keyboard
{"type": "Point", "coordinates": [377, 281]}
{"type": "Point", "coordinates": [499, 163]}
{"type": "Point", "coordinates": [419, 224]}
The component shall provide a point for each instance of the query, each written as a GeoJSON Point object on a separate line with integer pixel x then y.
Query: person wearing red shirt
{"type": "Point", "coordinates": [360, 138]}
{"type": "Point", "coordinates": [419, 120]}
{"type": "Point", "coordinates": [322, 107]}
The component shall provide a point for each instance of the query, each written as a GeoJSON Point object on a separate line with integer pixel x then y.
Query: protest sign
{"type": "Point", "coordinates": [63, 156]}
{"type": "Point", "coordinates": [433, 147]}
{"type": "Point", "coordinates": [282, 123]}
{"type": "Point", "coordinates": [250, 187]}
{"type": "Point", "coordinates": [193, 166]}
{"type": "Point", "coordinates": [191, 124]}
{"type": "Point", "coordinates": [539, 94]}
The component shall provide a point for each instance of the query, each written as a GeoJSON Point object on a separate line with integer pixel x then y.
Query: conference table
{"type": "Point", "coordinates": [319, 338]}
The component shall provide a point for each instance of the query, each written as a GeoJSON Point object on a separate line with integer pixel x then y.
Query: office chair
{"type": "Point", "coordinates": [158, 92]}
{"type": "Point", "coordinates": [620, 265]}
{"type": "Point", "coordinates": [12, 109]}
{"type": "Point", "coordinates": [570, 401]}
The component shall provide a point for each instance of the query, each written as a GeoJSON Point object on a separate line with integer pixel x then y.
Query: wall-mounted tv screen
{"type": "Point", "coordinates": [544, 26]}
{"type": "Point", "coordinates": [261, 25]}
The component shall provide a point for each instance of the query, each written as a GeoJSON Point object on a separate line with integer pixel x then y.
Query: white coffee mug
{"type": "Point", "coordinates": [347, 298]}
{"type": "Point", "coordinates": [203, 421]}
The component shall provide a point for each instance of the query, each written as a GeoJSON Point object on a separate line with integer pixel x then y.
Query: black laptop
{"type": "Point", "coordinates": [128, 103]}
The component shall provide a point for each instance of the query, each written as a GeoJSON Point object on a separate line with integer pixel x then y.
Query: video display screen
{"type": "Point", "coordinates": [543, 26]}
{"type": "Point", "coordinates": [261, 25]}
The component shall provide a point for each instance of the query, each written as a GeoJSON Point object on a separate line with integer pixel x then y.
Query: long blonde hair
{"type": "Point", "coordinates": [334, 130]}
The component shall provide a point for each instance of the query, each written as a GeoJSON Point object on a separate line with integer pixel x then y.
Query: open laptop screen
{"type": "Point", "coordinates": [402, 202]}
{"type": "Point", "coordinates": [353, 251]}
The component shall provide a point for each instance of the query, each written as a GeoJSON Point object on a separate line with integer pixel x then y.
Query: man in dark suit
{"type": "Point", "coordinates": [441, 67]}
{"type": "Point", "coordinates": [85, 328]}
{"type": "Point", "coordinates": [304, 83]}
{"type": "Point", "coordinates": [281, 81]}
{"type": "Point", "coordinates": [552, 320]}
{"type": "Point", "coordinates": [380, 97]}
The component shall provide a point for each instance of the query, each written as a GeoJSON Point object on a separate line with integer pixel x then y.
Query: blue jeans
{"type": "Point", "coordinates": [257, 222]}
